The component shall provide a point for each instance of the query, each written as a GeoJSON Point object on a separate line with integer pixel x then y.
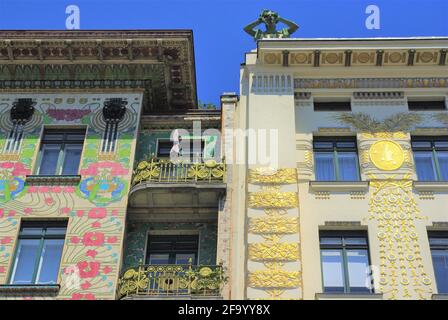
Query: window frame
{"type": "Point", "coordinates": [437, 234]}
{"type": "Point", "coordinates": [433, 149]}
{"type": "Point", "coordinates": [332, 106]}
{"type": "Point", "coordinates": [334, 150]}
{"type": "Point", "coordinates": [159, 141]}
{"type": "Point", "coordinates": [343, 234]}
{"type": "Point", "coordinates": [62, 149]}
{"type": "Point", "coordinates": [44, 225]}
{"type": "Point", "coordinates": [172, 252]}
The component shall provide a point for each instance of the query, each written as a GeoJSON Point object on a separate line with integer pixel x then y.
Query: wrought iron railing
{"type": "Point", "coordinates": [156, 170]}
{"type": "Point", "coordinates": [171, 280]}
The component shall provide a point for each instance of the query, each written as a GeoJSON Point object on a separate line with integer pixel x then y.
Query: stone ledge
{"type": "Point", "coordinates": [435, 186]}
{"type": "Point", "coordinates": [340, 186]}
{"type": "Point", "coordinates": [349, 296]}
{"type": "Point", "coordinates": [66, 180]}
{"type": "Point", "coordinates": [38, 290]}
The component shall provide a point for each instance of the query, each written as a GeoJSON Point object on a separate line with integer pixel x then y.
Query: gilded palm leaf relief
{"type": "Point", "coordinates": [362, 122]}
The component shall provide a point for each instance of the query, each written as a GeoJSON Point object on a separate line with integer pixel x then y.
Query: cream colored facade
{"type": "Point", "coordinates": [277, 215]}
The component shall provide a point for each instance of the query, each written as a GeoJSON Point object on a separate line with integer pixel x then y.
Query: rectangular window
{"type": "Point", "coordinates": [193, 149]}
{"type": "Point", "coordinates": [60, 151]}
{"type": "Point", "coordinates": [426, 105]}
{"type": "Point", "coordinates": [345, 262]}
{"type": "Point", "coordinates": [333, 106]}
{"type": "Point", "coordinates": [336, 160]}
{"type": "Point", "coordinates": [431, 158]}
{"type": "Point", "coordinates": [38, 254]}
{"type": "Point", "coordinates": [172, 249]}
{"type": "Point", "coordinates": [164, 148]}
{"type": "Point", "coordinates": [438, 242]}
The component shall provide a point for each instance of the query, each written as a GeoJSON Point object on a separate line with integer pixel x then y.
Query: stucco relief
{"type": "Point", "coordinates": [273, 252]}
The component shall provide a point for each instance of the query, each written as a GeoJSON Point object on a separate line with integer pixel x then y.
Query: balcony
{"type": "Point", "coordinates": [171, 281]}
{"type": "Point", "coordinates": [159, 184]}
{"type": "Point", "coordinates": [164, 171]}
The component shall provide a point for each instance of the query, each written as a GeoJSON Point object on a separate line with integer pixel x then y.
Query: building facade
{"type": "Point", "coordinates": [86, 121]}
{"type": "Point", "coordinates": [348, 198]}
{"type": "Point", "coordinates": [325, 178]}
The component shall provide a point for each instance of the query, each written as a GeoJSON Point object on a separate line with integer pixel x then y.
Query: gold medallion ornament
{"type": "Point", "coordinates": [387, 155]}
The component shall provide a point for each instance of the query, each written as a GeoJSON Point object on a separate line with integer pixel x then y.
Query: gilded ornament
{"type": "Point", "coordinates": [274, 225]}
{"type": "Point", "coordinates": [205, 271]}
{"type": "Point", "coordinates": [386, 155]}
{"type": "Point", "coordinates": [273, 176]}
{"type": "Point", "coordinates": [273, 251]}
{"type": "Point", "coordinates": [274, 279]}
{"type": "Point", "coordinates": [273, 199]}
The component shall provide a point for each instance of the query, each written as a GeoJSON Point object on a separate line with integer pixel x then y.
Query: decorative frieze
{"type": "Point", "coordinates": [273, 199]}
{"type": "Point", "coordinates": [279, 251]}
{"type": "Point", "coordinates": [272, 176]}
{"type": "Point", "coordinates": [274, 224]}
{"type": "Point", "coordinates": [349, 224]}
{"type": "Point", "coordinates": [274, 279]}
{"type": "Point", "coordinates": [354, 83]}
{"type": "Point", "coordinates": [378, 98]}
{"type": "Point", "coordinates": [369, 95]}
{"type": "Point", "coordinates": [302, 95]}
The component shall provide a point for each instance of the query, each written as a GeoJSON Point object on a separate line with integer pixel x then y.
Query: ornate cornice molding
{"type": "Point", "coordinates": [165, 58]}
{"type": "Point", "coordinates": [369, 83]}
{"type": "Point", "coordinates": [375, 95]}
{"type": "Point", "coordinates": [341, 54]}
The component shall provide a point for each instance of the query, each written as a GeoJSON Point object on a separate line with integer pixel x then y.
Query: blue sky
{"type": "Point", "coordinates": [217, 25]}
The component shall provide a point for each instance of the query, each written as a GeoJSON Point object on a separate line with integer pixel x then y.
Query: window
{"type": "Point", "coordinates": [426, 105]}
{"type": "Point", "coordinates": [438, 242]}
{"type": "Point", "coordinates": [336, 160]}
{"type": "Point", "coordinates": [172, 249]}
{"type": "Point", "coordinates": [164, 148]}
{"type": "Point", "coordinates": [345, 262]}
{"type": "Point", "coordinates": [187, 148]}
{"type": "Point", "coordinates": [60, 152]}
{"type": "Point", "coordinates": [194, 150]}
{"type": "Point", "coordinates": [431, 158]}
{"type": "Point", "coordinates": [38, 254]}
{"type": "Point", "coordinates": [333, 106]}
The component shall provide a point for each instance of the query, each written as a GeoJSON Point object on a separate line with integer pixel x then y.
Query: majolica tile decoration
{"type": "Point", "coordinates": [95, 207]}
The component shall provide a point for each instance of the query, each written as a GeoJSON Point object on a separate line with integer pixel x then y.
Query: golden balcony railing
{"type": "Point", "coordinates": [156, 171]}
{"type": "Point", "coordinates": [171, 280]}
